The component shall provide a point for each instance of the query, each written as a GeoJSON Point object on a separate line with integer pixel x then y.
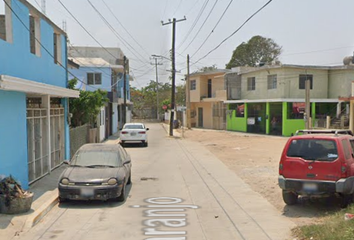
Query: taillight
{"type": "Point", "coordinates": [124, 132]}
{"type": "Point", "coordinates": [142, 132]}
{"type": "Point", "coordinates": [280, 169]}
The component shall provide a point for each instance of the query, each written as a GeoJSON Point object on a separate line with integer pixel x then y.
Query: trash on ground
{"type": "Point", "coordinates": [348, 216]}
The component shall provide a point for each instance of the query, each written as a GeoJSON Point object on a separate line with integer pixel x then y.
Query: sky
{"type": "Point", "coordinates": [311, 32]}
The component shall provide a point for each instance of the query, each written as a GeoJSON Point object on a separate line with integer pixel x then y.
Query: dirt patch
{"type": "Point", "coordinates": [255, 159]}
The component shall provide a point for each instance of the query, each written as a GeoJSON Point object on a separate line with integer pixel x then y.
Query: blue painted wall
{"type": "Point", "coordinates": [121, 85]}
{"type": "Point", "coordinates": [17, 60]}
{"type": "Point", "coordinates": [13, 136]}
{"type": "Point", "coordinates": [81, 74]}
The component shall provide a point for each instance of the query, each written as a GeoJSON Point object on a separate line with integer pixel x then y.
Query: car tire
{"type": "Point", "coordinates": [345, 200]}
{"type": "Point", "coordinates": [61, 200]}
{"type": "Point", "coordinates": [146, 144]}
{"type": "Point", "coordinates": [122, 143]}
{"type": "Point", "coordinates": [289, 198]}
{"type": "Point", "coordinates": [122, 196]}
{"type": "Point", "coordinates": [130, 179]}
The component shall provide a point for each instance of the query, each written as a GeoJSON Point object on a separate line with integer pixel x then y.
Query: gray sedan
{"type": "Point", "coordinates": [96, 172]}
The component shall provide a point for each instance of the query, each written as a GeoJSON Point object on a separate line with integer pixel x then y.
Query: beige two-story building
{"type": "Point", "coordinates": [207, 96]}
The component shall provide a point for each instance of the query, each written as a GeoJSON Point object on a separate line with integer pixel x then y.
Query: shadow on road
{"type": "Point", "coordinates": [91, 204]}
{"type": "Point", "coordinates": [312, 207]}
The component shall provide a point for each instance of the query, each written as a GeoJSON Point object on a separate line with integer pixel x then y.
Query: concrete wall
{"type": "Point", "coordinates": [340, 82]}
{"type": "Point", "coordinates": [13, 136]}
{"type": "Point", "coordinates": [78, 137]}
{"type": "Point", "coordinates": [207, 114]}
{"type": "Point", "coordinates": [95, 52]}
{"type": "Point", "coordinates": [287, 84]}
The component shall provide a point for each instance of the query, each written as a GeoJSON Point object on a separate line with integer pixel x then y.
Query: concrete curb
{"type": "Point", "coordinates": [44, 204]}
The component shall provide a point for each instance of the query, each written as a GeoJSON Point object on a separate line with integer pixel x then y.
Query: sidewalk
{"type": "Point", "coordinates": [45, 198]}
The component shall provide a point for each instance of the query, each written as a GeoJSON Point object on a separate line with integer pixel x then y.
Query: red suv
{"type": "Point", "coordinates": [318, 163]}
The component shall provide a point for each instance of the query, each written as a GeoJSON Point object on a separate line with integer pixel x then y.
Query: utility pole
{"type": "Point", "coordinates": [157, 85]}
{"type": "Point", "coordinates": [188, 96]}
{"type": "Point", "coordinates": [174, 21]}
{"type": "Point", "coordinates": [307, 102]}
{"type": "Point", "coordinates": [124, 90]}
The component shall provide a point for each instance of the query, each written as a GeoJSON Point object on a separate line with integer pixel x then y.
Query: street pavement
{"type": "Point", "coordinates": [179, 191]}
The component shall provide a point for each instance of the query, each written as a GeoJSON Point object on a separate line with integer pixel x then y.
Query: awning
{"type": "Point", "coordinates": [9, 83]}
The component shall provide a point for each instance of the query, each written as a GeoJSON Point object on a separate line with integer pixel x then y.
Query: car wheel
{"type": "Point", "coordinates": [345, 200]}
{"type": "Point", "coordinates": [289, 198]}
{"type": "Point", "coordinates": [122, 196]}
{"type": "Point", "coordinates": [146, 144]}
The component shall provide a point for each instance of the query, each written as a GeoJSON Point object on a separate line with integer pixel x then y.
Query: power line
{"type": "Point", "coordinates": [212, 31]}
{"type": "Point", "coordinates": [124, 27]}
{"type": "Point", "coordinates": [227, 38]}
{"type": "Point", "coordinates": [211, 10]}
{"type": "Point", "coordinates": [194, 23]}
{"type": "Point", "coordinates": [115, 32]}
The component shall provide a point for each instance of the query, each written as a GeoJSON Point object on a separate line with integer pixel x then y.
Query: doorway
{"type": "Point", "coordinates": [200, 117]}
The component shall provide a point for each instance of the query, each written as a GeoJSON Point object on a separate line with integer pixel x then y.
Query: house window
{"type": "Point", "coordinates": [34, 34]}
{"type": "Point", "coordinates": [5, 21]}
{"type": "Point", "coordinates": [302, 80]}
{"type": "Point", "coordinates": [193, 85]}
{"type": "Point", "coordinates": [57, 48]}
{"type": "Point", "coordinates": [94, 78]}
{"type": "Point", "coordinates": [251, 83]}
{"type": "Point", "coordinates": [272, 81]}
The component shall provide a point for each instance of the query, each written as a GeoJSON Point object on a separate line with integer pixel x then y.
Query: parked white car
{"type": "Point", "coordinates": [134, 133]}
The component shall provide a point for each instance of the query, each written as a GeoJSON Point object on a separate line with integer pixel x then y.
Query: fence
{"type": "Point", "coordinates": [78, 137]}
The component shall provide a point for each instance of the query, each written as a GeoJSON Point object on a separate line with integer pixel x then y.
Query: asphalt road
{"type": "Point", "coordinates": [179, 191]}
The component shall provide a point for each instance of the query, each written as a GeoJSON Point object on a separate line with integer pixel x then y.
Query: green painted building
{"type": "Point", "coordinates": [271, 99]}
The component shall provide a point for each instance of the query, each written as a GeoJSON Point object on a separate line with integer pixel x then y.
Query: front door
{"type": "Point", "coordinates": [200, 117]}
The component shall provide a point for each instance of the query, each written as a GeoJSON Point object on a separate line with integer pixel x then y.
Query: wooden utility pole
{"type": "Point", "coordinates": [124, 91]}
{"type": "Point", "coordinates": [188, 96]}
{"type": "Point", "coordinates": [174, 21]}
{"type": "Point", "coordinates": [307, 103]}
{"type": "Point", "coordinates": [157, 85]}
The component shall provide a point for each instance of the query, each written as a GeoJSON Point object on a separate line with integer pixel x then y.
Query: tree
{"type": "Point", "coordinates": [207, 69]}
{"type": "Point", "coordinates": [258, 50]}
{"type": "Point", "coordinates": [86, 108]}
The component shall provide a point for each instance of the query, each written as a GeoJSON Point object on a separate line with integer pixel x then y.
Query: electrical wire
{"type": "Point", "coordinates": [194, 23]}
{"type": "Point", "coordinates": [110, 10]}
{"type": "Point", "coordinates": [205, 20]}
{"type": "Point", "coordinates": [238, 29]}
{"type": "Point", "coordinates": [132, 49]}
{"type": "Point", "coordinates": [212, 31]}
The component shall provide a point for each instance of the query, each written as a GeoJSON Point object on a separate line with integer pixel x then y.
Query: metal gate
{"type": "Point", "coordinates": [57, 136]}
{"type": "Point", "coordinates": [37, 147]}
{"type": "Point", "coordinates": [37, 141]}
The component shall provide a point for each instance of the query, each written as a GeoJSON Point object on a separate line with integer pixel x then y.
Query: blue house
{"type": "Point", "coordinates": [34, 131]}
{"type": "Point", "coordinates": [103, 69]}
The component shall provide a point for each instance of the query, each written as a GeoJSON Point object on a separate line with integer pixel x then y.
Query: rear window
{"type": "Point", "coordinates": [133, 127]}
{"type": "Point", "coordinates": [313, 149]}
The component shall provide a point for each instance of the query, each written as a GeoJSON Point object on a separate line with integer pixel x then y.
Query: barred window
{"type": "Point", "coordinates": [302, 80]}
{"type": "Point", "coordinates": [272, 81]}
{"type": "Point", "coordinates": [251, 83]}
{"type": "Point", "coordinates": [193, 85]}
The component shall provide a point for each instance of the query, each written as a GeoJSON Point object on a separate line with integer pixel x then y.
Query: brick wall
{"type": "Point", "coordinates": [78, 137]}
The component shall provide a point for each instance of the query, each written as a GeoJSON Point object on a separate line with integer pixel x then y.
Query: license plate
{"type": "Point", "coordinates": [309, 187]}
{"type": "Point", "coordinates": [87, 192]}
{"type": "Point", "coordinates": [133, 134]}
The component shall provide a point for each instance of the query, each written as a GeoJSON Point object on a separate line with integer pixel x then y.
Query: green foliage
{"type": "Point", "coordinates": [207, 69]}
{"type": "Point", "coordinates": [86, 108]}
{"type": "Point", "coordinates": [333, 227]}
{"type": "Point", "coordinates": [257, 50]}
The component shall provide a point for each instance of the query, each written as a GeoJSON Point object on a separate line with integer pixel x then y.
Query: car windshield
{"type": "Point", "coordinates": [313, 149]}
{"type": "Point", "coordinates": [133, 127]}
{"type": "Point", "coordinates": [96, 159]}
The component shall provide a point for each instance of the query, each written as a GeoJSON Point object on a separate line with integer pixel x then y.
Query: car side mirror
{"type": "Point", "coordinates": [66, 162]}
{"type": "Point", "coordinates": [147, 129]}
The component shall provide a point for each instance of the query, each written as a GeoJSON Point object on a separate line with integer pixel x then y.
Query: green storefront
{"type": "Point", "coordinates": [277, 117]}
